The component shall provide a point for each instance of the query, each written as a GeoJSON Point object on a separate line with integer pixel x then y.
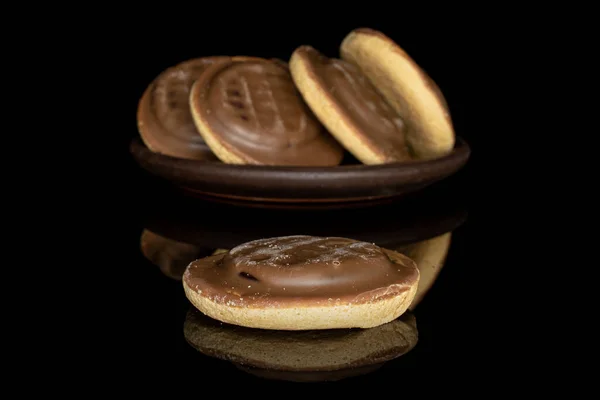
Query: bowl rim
{"type": "Point", "coordinates": [297, 182]}
{"type": "Point", "coordinates": [461, 150]}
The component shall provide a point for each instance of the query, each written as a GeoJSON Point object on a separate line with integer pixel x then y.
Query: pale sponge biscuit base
{"type": "Point", "coordinates": [406, 87]}
{"type": "Point", "coordinates": [384, 306]}
{"type": "Point", "coordinates": [329, 112]}
{"type": "Point", "coordinates": [221, 150]}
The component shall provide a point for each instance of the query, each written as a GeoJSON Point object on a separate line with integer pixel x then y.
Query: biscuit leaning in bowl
{"type": "Point", "coordinates": [348, 104]}
{"type": "Point", "coordinates": [249, 111]}
{"type": "Point", "coordinates": [164, 120]}
{"type": "Point", "coordinates": [303, 282]}
{"type": "Point", "coordinates": [406, 87]}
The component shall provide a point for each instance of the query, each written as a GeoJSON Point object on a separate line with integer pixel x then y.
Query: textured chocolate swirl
{"type": "Point", "coordinates": [164, 118]}
{"type": "Point", "coordinates": [255, 109]}
{"type": "Point", "coordinates": [301, 268]}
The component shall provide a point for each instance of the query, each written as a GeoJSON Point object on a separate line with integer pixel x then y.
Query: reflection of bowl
{"type": "Point", "coordinates": [417, 218]}
{"type": "Point", "coordinates": [344, 183]}
{"type": "Point", "coordinates": [302, 355]}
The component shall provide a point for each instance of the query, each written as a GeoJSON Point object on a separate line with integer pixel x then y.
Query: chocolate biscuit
{"type": "Point", "coordinates": [164, 120]}
{"type": "Point", "coordinates": [408, 89]}
{"type": "Point", "coordinates": [249, 112]}
{"type": "Point", "coordinates": [351, 108]}
{"type": "Point", "coordinates": [303, 282]}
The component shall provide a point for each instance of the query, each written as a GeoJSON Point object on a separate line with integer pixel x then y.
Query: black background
{"type": "Point", "coordinates": [145, 309]}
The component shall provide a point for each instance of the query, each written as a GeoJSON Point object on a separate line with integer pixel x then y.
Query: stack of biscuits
{"type": "Point", "coordinates": [374, 102]}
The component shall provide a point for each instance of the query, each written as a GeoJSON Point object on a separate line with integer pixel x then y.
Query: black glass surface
{"type": "Point", "coordinates": [160, 338]}
{"type": "Point", "coordinates": [168, 229]}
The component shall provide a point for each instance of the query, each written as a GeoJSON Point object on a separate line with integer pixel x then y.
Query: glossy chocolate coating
{"type": "Point", "coordinates": [299, 268]}
{"type": "Point", "coordinates": [255, 110]}
{"type": "Point", "coordinates": [360, 103]}
{"type": "Point", "coordinates": [164, 118]}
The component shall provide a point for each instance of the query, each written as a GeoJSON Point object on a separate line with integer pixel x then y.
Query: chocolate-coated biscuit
{"type": "Point", "coordinates": [303, 282]}
{"type": "Point", "coordinates": [249, 112]}
{"type": "Point", "coordinates": [351, 108]}
{"type": "Point", "coordinates": [407, 88]}
{"type": "Point", "coordinates": [164, 120]}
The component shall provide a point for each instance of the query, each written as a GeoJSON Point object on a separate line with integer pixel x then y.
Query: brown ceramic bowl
{"type": "Point", "coordinates": [344, 183]}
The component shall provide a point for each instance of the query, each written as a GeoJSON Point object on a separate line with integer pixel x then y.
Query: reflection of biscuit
{"type": "Point", "coordinates": [273, 353]}
{"type": "Point", "coordinates": [303, 282]}
{"type": "Point", "coordinates": [310, 376]}
{"type": "Point", "coordinates": [350, 107]}
{"type": "Point", "coordinates": [249, 112]}
{"type": "Point", "coordinates": [164, 120]}
{"type": "Point", "coordinates": [406, 87]}
{"type": "Point", "coordinates": [171, 256]}
{"type": "Point", "coordinates": [429, 255]}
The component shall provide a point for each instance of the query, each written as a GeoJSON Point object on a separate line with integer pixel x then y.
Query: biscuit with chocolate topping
{"type": "Point", "coordinates": [303, 282]}
{"type": "Point", "coordinates": [164, 120]}
{"type": "Point", "coordinates": [408, 89]}
{"type": "Point", "coordinates": [249, 112]}
{"type": "Point", "coordinates": [375, 100]}
{"type": "Point", "coordinates": [350, 107]}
